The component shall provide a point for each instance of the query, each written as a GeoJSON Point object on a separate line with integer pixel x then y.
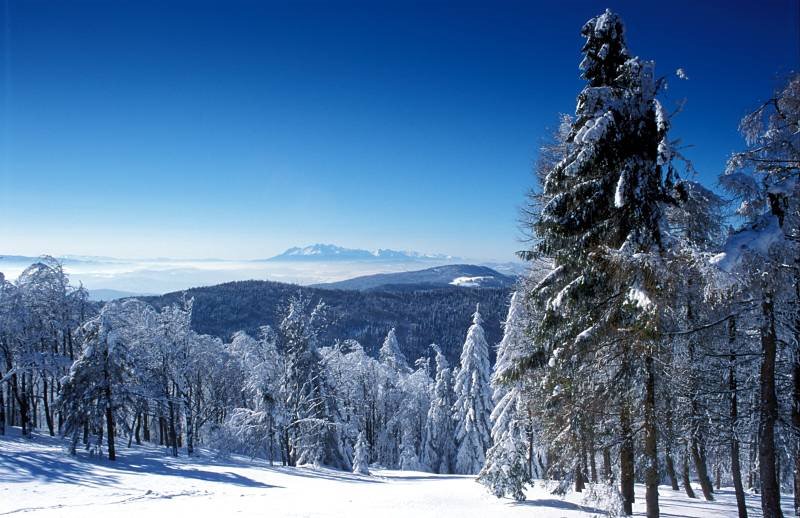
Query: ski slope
{"type": "Point", "coordinates": [38, 479]}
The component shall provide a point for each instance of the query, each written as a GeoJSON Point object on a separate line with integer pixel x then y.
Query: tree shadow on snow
{"type": "Point", "coordinates": [157, 464]}
{"type": "Point", "coordinates": [47, 467]}
{"type": "Point", "coordinates": [426, 477]}
{"type": "Point", "coordinates": [555, 503]}
{"type": "Point", "coordinates": [59, 467]}
{"type": "Point", "coordinates": [326, 474]}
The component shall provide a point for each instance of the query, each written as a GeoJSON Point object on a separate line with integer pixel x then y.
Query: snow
{"type": "Point", "coordinates": [681, 73]}
{"type": "Point", "coordinates": [594, 129]}
{"type": "Point", "coordinates": [638, 296]}
{"type": "Point", "coordinates": [619, 193]}
{"type": "Point", "coordinates": [758, 240]}
{"type": "Point", "coordinates": [40, 480]}
{"type": "Point", "coordinates": [471, 282]}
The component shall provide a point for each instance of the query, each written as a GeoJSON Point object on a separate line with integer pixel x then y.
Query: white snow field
{"type": "Point", "coordinates": [37, 478]}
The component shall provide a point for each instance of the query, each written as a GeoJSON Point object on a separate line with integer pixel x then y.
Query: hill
{"type": "Point", "coordinates": [421, 315]}
{"type": "Point", "coordinates": [461, 275]}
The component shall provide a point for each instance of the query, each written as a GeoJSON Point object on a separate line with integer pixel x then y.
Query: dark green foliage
{"type": "Point", "coordinates": [420, 316]}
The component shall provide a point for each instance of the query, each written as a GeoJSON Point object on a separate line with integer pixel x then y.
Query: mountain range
{"type": "Point", "coordinates": [325, 252]}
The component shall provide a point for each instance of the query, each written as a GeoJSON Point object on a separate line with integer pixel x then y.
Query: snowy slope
{"type": "Point", "coordinates": [37, 479]}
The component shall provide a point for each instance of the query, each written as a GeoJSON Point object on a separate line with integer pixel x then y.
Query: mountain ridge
{"type": "Point", "coordinates": [329, 252]}
{"type": "Point", "coordinates": [458, 275]}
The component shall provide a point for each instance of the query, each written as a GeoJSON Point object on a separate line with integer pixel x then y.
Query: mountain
{"type": "Point", "coordinates": [107, 294]}
{"type": "Point", "coordinates": [438, 315]}
{"type": "Point", "coordinates": [460, 275]}
{"type": "Point", "coordinates": [323, 252]}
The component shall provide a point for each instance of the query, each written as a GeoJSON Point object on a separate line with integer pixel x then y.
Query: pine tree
{"type": "Point", "coordinates": [473, 405]}
{"type": "Point", "coordinates": [508, 469]}
{"type": "Point", "coordinates": [602, 226]}
{"type": "Point", "coordinates": [438, 448]}
{"type": "Point", "coordinates": [361, 457]}
{"type": "Point", "coordinates": [313, 430]}
{"type": "Point", "coordinates": [391, 355]}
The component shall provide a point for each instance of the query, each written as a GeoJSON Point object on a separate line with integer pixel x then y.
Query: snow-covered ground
{"type": "Point", "coordinates": [38, 479]}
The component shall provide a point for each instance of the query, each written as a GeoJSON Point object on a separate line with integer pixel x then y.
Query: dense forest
{"type": "Point", "coordinates": [420, 315]}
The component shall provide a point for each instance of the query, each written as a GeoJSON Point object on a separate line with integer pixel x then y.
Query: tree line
{"type": "Point", "coordinates": [130, 373]}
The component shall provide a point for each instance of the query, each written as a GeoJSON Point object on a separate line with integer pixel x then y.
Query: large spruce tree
{"type": "Point", "coordinates": [602, 227]}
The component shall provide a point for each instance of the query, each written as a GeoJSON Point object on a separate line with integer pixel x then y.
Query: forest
{"type": "Point", "coordinates": [659, 344]}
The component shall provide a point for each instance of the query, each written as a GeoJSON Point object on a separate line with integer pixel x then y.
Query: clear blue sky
{"type": "Point", "coordinates": [236, 129]}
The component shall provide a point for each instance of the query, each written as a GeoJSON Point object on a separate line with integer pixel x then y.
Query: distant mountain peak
{"type": "Point", "coordinates": [328, 252]}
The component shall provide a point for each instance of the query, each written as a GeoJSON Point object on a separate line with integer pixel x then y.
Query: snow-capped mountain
{"type": "Point", "coordinates": [325, 252]}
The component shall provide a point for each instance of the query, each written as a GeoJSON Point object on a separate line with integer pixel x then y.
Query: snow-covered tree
{"type": "Point", "coordinates": [313, 424]}
{"type": "Point", "coordinates": [361, 457]}
{"type": "Point", "coordinates": [100, 383]}
{"type": "Point", "coordinates": [473, 405]}
{"type": "Point", "coordinates": [439, 448]}
{"type": "Point", "coordinates": [257, 424]}
{"type": "Point", "coordinates": [602, 226]}
{"type": "Point", "coordinates": [415, 401]}
{"type": "Point", "coordinates": [766, 249]}
{"type": "Point", "coordinates": [508, 468]}
{"type": "Point", "coordinates": [391, 355]}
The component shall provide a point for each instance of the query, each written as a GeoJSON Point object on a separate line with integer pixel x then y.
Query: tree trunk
{"type": "Point", "coordinates": [670, 436]}
{"type": "Point", "coordinates": [796, 396]}
{"type": "Point", "coordinates": [579, 485]}
{"type": "Point", "coordinates": [47, 415]}
{"type": "Point", "coordinates": [173, 438]}
{"type": "Point", "coordinates": [592, 453]}
{"type": "Point", "coordinates": [608, 475]}
{"type": "Point", "coordinates": [189, 429]}
{"type": "Point", "coordinates": [699, 458]}
{"type": "Point", "coordinates": [736, 471]}
{"type": "Point", "coordinates": [770, 491]}
{"type": "Point", "coordinates": [670, 466]}
{"type": "Point", "coordinates": [112, 454]}
{"type": "Point", "coordinates": [2, 408]}
{"type": "Point", "coordinates": [20, 394]}
{"type": "Point", "coordinates": [687, 482]}
{"type": "Point", "coordinates": [138, 427]}
{"type": "Point", "coordinates": [651, 441]}
{"type": "Point", "coordinates": [626, 461]}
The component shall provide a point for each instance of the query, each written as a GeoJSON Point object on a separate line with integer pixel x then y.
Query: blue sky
{"type": "Point", "coordinates": [237, 129]}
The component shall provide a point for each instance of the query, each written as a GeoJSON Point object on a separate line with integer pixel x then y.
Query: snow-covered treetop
{"type": "Point", "coordinates": [441, 360]}
{"type": "Point", "coordinates": [390, 353]}
{"type": "Point", "coordinates": [512, 347]}
{"type": "Point", "coordinates": [477, 319]}
{"type": "Point", "coordinates": [604, 49]}
{"type": "Point", "coordinates": [770, 166]}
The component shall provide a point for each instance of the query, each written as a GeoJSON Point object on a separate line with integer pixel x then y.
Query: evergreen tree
{"type": "Point", "coordinates": [361, 457]}
{"type": "Point", "coordinates": [602, 226]}
{"type": "Point", "coordinates": [391, 355]}
{"type": "Point", "coordinates": [473, 405]}
{"type": "Point", "coordinates": [438, 450]}
{"type": "Point", "coordinates": [508, 469]}
{"type": "Point", "coordinates": [313, 436]}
